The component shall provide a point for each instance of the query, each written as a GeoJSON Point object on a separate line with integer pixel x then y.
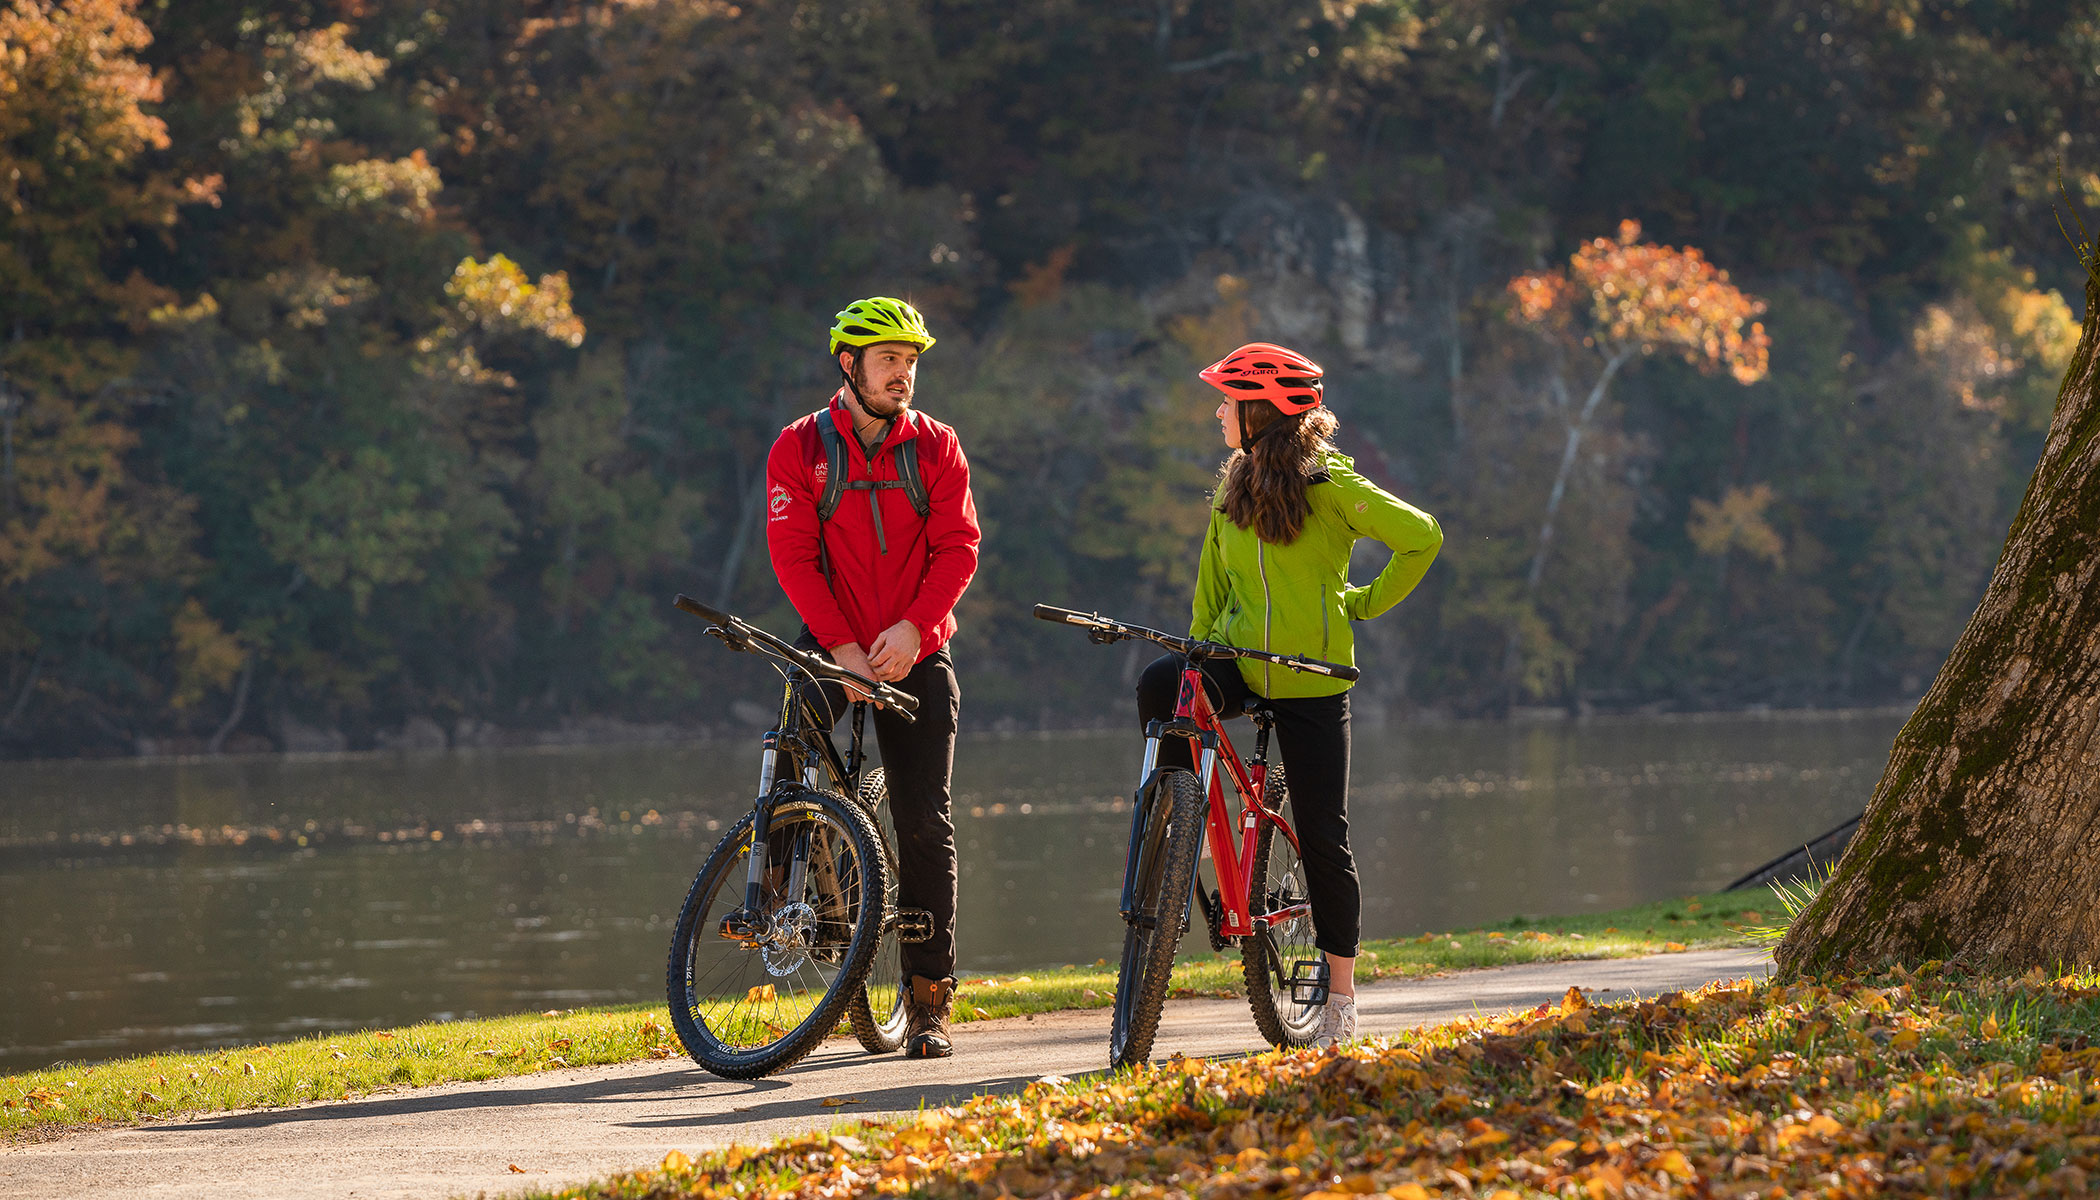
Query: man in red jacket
{"type": "Point", "coordinates": [874, 538]}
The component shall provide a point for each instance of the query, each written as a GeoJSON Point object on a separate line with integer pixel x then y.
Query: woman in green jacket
{"type": "Point", "coordinates": [1275, 576]}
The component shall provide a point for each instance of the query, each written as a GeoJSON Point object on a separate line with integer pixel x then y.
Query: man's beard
{"type": "Point", "coordinates": [879, 404]}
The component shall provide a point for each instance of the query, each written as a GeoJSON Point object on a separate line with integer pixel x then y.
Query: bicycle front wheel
{"type": "Point", "coordinates": [755, 982]}
{"type": "Point", "coordinates": [1266, 959]}
{"type": "Point", "coordinates": [1166, 848]}
{"type": "Point", "coordinates": [876, 1009]}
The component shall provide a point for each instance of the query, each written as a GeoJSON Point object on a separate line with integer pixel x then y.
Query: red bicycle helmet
{"type": "Point", "coordinates": [1266, 371]}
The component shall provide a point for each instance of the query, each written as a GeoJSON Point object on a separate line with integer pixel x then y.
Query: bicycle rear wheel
{"type": "Point", "coordinates": [1166, 847]}
{"type": "Point", "coordinates": [752, 989]}
{"type": "Point", "coordinates": [876, 1009]}
{"type": "Point", "coordinates": [1266, 959]}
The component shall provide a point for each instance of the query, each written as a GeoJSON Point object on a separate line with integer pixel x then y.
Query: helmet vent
{"type": "Point", "coordinates": [1241, 385]}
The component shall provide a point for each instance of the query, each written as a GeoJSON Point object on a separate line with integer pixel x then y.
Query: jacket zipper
{"type": "Point", "coordinates": [1268, 609]}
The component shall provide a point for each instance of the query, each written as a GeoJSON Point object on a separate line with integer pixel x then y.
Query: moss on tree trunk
{"type": "Point", "coordinates": [1982, 842]}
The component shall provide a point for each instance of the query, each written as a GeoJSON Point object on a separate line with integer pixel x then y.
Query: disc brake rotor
{"type": "Point", "coordinates": [788, 939]}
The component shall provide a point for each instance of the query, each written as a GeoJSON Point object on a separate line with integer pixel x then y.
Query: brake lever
{"type": "Point", "coordinates": [1105, 637]}
{"type": "Point", "coordinates": [733, 641]}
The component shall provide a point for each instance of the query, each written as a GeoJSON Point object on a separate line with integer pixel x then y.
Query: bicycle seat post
{"type": "Point", "coordinates": [1264, 718]}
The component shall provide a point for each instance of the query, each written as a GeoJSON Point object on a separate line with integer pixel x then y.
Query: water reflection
{"type": "Point", "coordinates": [156, 905]}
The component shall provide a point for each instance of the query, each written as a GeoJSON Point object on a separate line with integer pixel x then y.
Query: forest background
{"type": "Point", "coordinates": [373, 373]}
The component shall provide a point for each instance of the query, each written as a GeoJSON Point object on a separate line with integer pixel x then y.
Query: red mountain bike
{"type": "Point", "coordinates": [1260, 904]}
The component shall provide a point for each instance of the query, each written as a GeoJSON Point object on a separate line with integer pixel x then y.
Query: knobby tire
{"type": "Point", "coordinates": [710, 981]}
{"type": "Point", "coordinates": [876, 1008]}
{"type": "Point", "coordinates": [1167, 848]}
{"type": "Point", "coordinates": [1277, 879]}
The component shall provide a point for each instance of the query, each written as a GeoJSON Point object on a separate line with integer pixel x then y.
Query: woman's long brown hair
{"type": "Point", "coordinates": [1265, 480]}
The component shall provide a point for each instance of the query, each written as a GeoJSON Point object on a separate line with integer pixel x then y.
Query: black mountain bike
{"type": "Point", "coordinates": [792, 924]}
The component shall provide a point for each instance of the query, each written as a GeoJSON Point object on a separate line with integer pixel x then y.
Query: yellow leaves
{"type": "Point", "coordinates": [677, 1162]}
{"type": "Point", "coordinates": [1574, 1001]}
{"type": "Point", "coordinates": [1672, 947]}
{"type": "Point", "coordinates": [761, 994]}
{"type": "Point", "coordinates": [496, 296]}
{"type": "Point", "coordinates": [1906, 1039]}
{"type": "Point", "coordinates": [206, 656]}
{"type": "Point", "coordinates": [838, 1101]}
{"type": "Point", "coordinates": [1737, 522]}
{"type": "Point", "coordinates": [402, 188]}
{"type": "Point", "coordinates": [1409, 1191]}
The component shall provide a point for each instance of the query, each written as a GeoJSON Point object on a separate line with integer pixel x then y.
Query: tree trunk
{"type": "Point", "coordinates": [1979, 844]}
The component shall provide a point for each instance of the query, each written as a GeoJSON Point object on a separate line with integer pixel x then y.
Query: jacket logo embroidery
{"type": "Point", "coordinates": [779, 502]}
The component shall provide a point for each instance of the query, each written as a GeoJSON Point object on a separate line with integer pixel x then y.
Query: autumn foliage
{"type": "Point", "coordinates": [262, 437]}
{"type": "Point", "coordinates": [1621, 293]}
{"type": "Point", "coordinates": [1920, 1085]}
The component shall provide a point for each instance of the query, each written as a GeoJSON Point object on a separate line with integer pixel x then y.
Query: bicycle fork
{"type": "Point", "coordinates": [1148, 774]}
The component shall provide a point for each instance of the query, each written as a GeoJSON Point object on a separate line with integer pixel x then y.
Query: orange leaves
{"type": "Point", "coordinates": [1624, 295]}
{"type": "Point", "coordinates": [1731, 1090]}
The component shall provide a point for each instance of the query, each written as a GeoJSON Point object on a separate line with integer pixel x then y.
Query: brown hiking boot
{"type": "Point", "coordinates": [926, 1009]}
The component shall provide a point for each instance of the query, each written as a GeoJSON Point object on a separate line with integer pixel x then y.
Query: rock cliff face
{"type": "Point", "coordinates": [1980, 843]}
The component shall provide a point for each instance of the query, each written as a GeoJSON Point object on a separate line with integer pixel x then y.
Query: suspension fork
{"type": "Point", "coordinates": [761, 823]}
{"type": "Point", "coordinates": [1149, 789]}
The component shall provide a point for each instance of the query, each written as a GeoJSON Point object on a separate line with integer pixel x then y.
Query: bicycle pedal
{"type": "Point", "coordinates": [743, 925]}
{"type": "Point", "coordinates": [1309, 981]}
{"type": "Point", "coordinates": [912, 925]}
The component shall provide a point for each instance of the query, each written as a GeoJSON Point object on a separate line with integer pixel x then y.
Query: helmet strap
{"type": "Point", "coordinates": [860, 401]}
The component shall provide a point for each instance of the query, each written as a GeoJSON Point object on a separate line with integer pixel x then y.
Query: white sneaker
{"type": "Point", "coordinates": [1337, 1021]}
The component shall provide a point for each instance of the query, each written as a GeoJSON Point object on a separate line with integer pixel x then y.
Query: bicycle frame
{"type": "Point", "coordinates": [1232, 860]}
{"type": "Point", "coordinates": [807, 745]}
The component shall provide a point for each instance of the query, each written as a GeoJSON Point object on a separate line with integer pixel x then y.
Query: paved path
{"type": "Point", "coordinates": [567, 1126]}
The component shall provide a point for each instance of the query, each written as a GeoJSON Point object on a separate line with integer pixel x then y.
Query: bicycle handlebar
{"type": "Point", "coordinates": [743, 635]}
{"type": "Point", "coordinates": [1117, 631]}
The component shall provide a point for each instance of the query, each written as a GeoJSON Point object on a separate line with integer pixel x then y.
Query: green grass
{"type": "Point", "coordinates": [67, 1097]}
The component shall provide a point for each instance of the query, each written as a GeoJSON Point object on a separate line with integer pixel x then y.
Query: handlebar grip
{"type": "Point", "coordinates": [712, 616]}
{"type": "Point", "coordinates": [1348, 674]}
{"type": "Point", "coordinates": [1048, 612]}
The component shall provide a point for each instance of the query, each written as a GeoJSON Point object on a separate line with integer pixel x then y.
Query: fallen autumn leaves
{"type": "Point", "coordinates": [1905, 1085]}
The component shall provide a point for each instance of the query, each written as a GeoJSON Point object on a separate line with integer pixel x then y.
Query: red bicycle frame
{"type": "Point", "coordinates": [1195, 719]}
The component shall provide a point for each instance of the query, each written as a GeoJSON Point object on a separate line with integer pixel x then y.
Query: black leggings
{"type": "Point", "coordinates": [1312, 734]}
{"type": "Point", "coordinates": [917, 760]}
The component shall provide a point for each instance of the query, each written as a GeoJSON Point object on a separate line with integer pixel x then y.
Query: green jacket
{"type": "Point", "coordinates": [1297, 599]}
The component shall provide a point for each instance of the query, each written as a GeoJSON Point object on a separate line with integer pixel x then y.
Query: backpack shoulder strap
{"type": "Point", "coordinates": [834, 466]}
{"type": "Point", "coordinates": [907, 456]}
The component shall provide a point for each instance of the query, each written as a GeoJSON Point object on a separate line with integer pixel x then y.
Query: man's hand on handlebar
{"type": "Point", "coordinates": [855, 659]}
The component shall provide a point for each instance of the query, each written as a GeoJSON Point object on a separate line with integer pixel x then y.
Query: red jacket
{"type": "Point", "coordinates": [930, 559]}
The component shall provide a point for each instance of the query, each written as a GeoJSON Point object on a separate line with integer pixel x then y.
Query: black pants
{"type": "Point", "coordinates": [917, 760]}
{"type": "Point", "coordinates": [1313, 736]}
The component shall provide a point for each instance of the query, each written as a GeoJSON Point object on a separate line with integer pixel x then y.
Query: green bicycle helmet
{"type": "Point", "coordinates": [879, 319]}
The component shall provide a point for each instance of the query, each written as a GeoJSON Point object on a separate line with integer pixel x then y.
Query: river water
{"type": "Point", "coordinates": [170, 904]}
